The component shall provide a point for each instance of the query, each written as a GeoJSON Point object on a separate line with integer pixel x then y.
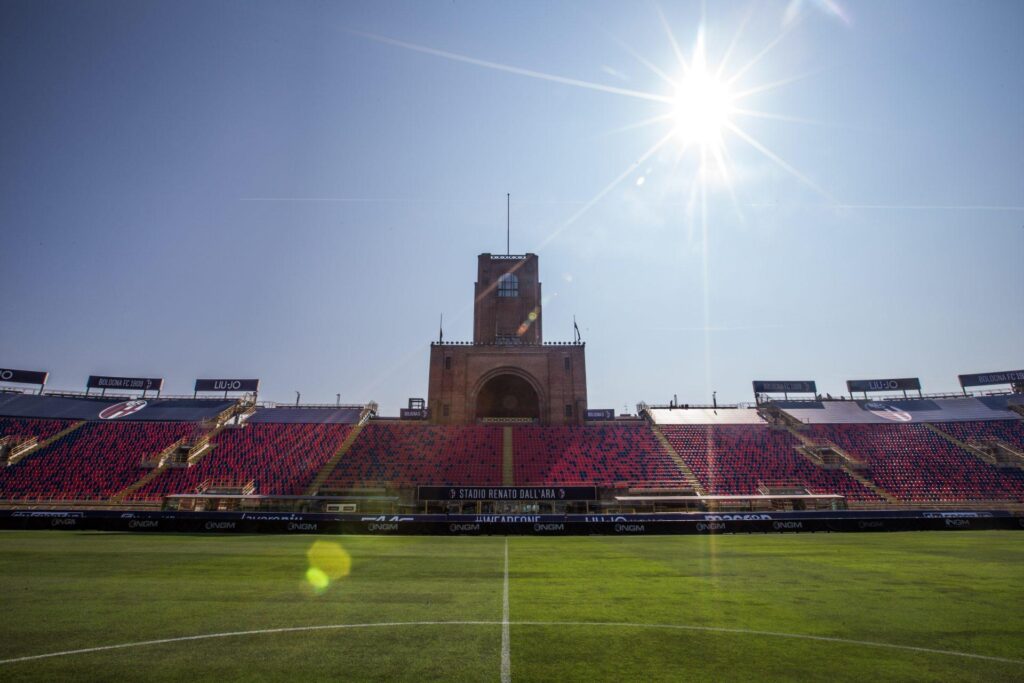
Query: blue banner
{"type": "Point", "coordinates": [986, 378]}
{"type": "Point", "coordinates": [905, 384]}
{"type": "Point", "coordinates": [788, 387]}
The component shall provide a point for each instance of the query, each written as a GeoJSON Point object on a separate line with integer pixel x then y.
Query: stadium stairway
{"type": "Point", "coordinates": [148, 477]}
{"type": "Point", "coordinates": [508, 462]}
{"type": "Point", "coordinates": [44, 443]}
{"type": "Point", "coordinates": [197, 446]}
{"type": "Point", "coordinates": [325, 471]}
{"type": "Point", "coordinates": [691, 478]}
{"type": "Point", "coordinates": [776, 416]}
{"type": "Point", "coordinates": [810, 443]}
{"type": "Point", "coordinates": [1015, 459]}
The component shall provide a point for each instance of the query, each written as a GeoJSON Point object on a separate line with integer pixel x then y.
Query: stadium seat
{"type": "Point", "coordinates": [1008, 431]}
{"type": "Point", "coordinates": [28, 427]}
{"type": "Point", "coordinates": [736, 459]}
{"type": "Point", "coordinates": [91, 463]}
{"type": "Point", "coordinates": [606, 455]}
{"type": "Point", "coordinates": [404, 454]}
{"type": "Point", "coordinates": [280, 459]}
{"type": "Point", "coordinates": [915, 464]}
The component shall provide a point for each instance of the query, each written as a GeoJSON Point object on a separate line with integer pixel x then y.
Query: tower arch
{"type": "Point", "coordinates": [508, 392]}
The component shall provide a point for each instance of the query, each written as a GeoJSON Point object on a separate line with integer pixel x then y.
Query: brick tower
{"type": "Point", "coordinates": [507, 372]}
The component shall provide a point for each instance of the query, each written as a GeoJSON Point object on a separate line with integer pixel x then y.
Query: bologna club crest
{"type": "Point", "coordinates": [121, 409]}
{"type": "Point", "coordinates": [888, 412]}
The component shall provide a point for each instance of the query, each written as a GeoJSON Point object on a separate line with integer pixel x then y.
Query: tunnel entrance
{"type": "Point", "coordinates": [508, 396]}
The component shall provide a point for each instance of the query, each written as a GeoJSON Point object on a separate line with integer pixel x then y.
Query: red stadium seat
{"type": "Point", "coordinates": [91, 463]}
{"type": "Point", "coordinates": [734, 459]}
{"type": "Point", "coordinates": [607, 455]}
{"type": "Point", "coordinates": [916, 464]}
{"type": "Point", "coordinates": [409, 454]}
{"type": "Point", "coordinates": [281, 459]}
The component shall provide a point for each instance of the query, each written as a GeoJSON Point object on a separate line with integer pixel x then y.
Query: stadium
{"type": "Point", "coordinates": [506, 444]}
{"type": "Point", "coordinates": [504, 521]}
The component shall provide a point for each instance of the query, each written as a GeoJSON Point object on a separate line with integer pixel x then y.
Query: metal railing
{"type": "Point", "coordinates": [886, 397]}
{"type": "Point", "coordinates": [515, 346]}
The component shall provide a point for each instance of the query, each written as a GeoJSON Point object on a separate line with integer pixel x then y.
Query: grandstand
{"type": "Point", "coordinates": [396, 455]}
{"type": "Point", "coordinates": [608, 455]}
{"type": "Point", "coordinates": [915, 464]}
{"type": "Point", "coordinates": [756, 459]}
{"type": "Point", "coordinates": [260, 458]}
{"type": "Point", "coordinates": [506, 429]}
{"type": "Point", "coordinates": [233, 454]}
{"type": "Point", "coordinates": [93, 461]}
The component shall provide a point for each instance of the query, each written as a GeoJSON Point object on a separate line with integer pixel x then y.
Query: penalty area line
{"type": "Point", "coordinates": [504, 623]}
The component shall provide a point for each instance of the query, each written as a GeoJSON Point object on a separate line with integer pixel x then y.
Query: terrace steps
{"type": "Point", "coordinates": [325, 472]}
{"type": "Point", "coordinates": [40, 445]}
{"type": "Point", "coordinates": [133, 487]}
{"type": "Point", "coordinates": [691, 478]}
{"type": "Point", "coordinates": [198, 446]}
{"type": "Point", "coordinates": [846, 466]}
{"type": "Point", "coordinates": [1016, 458]}
{"type": "Point", "coordinates": [508, 464]}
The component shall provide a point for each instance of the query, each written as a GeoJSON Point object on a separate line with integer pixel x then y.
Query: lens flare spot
{"type": "Point", "coordinates": [639, 181]}
{"type": "Point", "coordinates": [531, 318]}
{"type": "Point", "coordinates": [317, 579]}
{"type": "Point", "coordinates": [329, 559]}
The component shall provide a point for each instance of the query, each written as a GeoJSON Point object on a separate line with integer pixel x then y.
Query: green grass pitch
{"type": "Point", "coordinates": [580, 609]}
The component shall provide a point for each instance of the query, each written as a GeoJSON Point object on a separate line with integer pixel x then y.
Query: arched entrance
{"type": "Point", "coordinates": [507, 395]}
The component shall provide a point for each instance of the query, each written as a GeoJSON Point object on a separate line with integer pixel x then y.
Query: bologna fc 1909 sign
{"type": "Point", "coordinates": [121, 409]}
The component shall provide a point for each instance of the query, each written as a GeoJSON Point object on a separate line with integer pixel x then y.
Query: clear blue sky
{"type": "Point", "coordinates": [155, 159]}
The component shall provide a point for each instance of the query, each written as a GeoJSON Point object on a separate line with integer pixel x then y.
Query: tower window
{"type": "Point", "coordinates": [568, 363]}
{"type": "Point", "coordinates": [508, 285]}
{"type": "Point", "coordinates": [568, 410]}
{"type": "Point", "coordinates": [447, 362]}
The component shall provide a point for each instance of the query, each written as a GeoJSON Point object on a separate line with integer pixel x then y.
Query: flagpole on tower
{"type": "Point", "coordinates": [508, 223]}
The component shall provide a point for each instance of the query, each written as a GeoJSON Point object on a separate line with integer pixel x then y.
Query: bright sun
{"type": "Point", "coordinates": [702, 108]}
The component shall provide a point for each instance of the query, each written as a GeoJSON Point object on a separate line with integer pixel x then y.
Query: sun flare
{"type": "Point", "coordinates": [701, 109]}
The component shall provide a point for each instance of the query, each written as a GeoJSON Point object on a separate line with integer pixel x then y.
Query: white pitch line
{"type": "Point", "coordinates": [231, 634]}
{"type": "Point", "coordinates": [611, 624]}
{"type": "Point", "coordinates": [775, 634]}
{"type": "Point", "coordinates": [506, 647]}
